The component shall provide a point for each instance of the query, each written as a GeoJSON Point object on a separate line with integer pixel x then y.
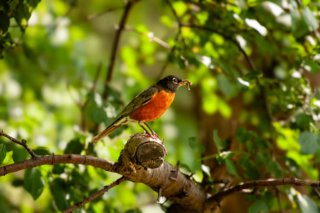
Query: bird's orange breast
{"type": "Point", "coordinates": [152, 110]}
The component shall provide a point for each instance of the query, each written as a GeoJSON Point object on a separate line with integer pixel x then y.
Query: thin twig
{"type": "Point", "coordinates": [263, 183]}
{"type": "Point", "coordinates": [95, 195]}
{"type": "Point", "coordinates": [22, 143]}
{"type": "Point", "coordinates": [151, 36]}
{"type": "Point", "coordinates": [115, 45]}
{"type": "Point", "coordinates": [174, 12]}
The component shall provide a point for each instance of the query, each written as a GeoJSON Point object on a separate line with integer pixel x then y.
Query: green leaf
{"type": "Point", "coordinates": [259, 206]}
{"type": "Point", "coordinates": [303, 120]}
{"type": "Point", "coordinates": [180, 7]}
{"type": "Point", "coordinates": [310, 19]}
{"type": "Point", "coordinates": [308, 142]}
{"type": "Point", "coordinates": [3, 152]}
{"type": "Point", "coordinates": [231, 167]}
{"type": "Point", "coordinates": [19, 154]}
{"type": "Point", "coordinates": [74, 147]}
{"type": "Point", "coordinates": [33, 182]}
{"type": "Point", "coordinates": [317, 94]}
{"type": "Point", "coordinates": [243, 135]}
{"type": "Point", "coordinates": [58, 191]}
{"type": "Point", "coordinates": [312, 65]}
{"type": "Point", "coordinates": [58, 169]}
{"type": "Point", "coordinates": [22, 15]}
{"type": "Point", "coordinates": [33, 3]}
{"type": "Point", "coordinates": [221, 145]}
{"type": "Point", "coordinates": [42, 151]}
{"type": "Point", "coordinates": [299, 26]}
{"type": "Point", "coordinates": [306, 204]}
{"type": "Point", "coordinates": [95, 113]}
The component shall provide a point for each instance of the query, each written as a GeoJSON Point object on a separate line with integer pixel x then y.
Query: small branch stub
{"type": "Point", "coordinates": [146, 150]}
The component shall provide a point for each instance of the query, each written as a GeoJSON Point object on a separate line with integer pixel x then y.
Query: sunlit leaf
{"type": "Point", "coordinates": [306, 204]}
{"type": "Point", "coordinates": [180, 7]}
{"type": "Point", "coordinates": [310, 19]}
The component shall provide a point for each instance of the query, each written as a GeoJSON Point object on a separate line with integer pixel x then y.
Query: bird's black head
{"type": "Point", "coordinates": [172, 83]}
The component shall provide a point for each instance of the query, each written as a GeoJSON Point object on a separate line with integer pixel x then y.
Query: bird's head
{"type": "Point", "coordinates": [172, 83]}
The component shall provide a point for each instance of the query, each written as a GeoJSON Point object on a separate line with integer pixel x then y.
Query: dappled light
{"type": "Point", "coordinates": [159, 106]}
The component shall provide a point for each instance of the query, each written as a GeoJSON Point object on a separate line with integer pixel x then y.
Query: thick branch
{"type": "Point", "coordinates": [142, 160]}
{"type": "Point", "coordinates": [57, 159]}
{"type": "Point", "coordinates": [164, 178]}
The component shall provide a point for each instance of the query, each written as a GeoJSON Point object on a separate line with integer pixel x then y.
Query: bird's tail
{"type": "Point", "coordinates": [109, 129]}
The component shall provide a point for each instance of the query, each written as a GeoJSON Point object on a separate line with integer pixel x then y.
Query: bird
{"type": "Point", "coordinates": [147, 106]}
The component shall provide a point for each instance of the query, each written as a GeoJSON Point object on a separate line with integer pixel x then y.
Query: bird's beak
{"type": "Point", "coordinates": [185, 83]}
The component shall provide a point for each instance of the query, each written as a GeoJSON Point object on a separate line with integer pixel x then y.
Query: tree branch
{"type": "Point", "coordinates": [151, 36]}
{"type": "Point", "coordinates": [142, 160]}
{"type": "Point", "coordinates": [95, 195]}
{"type": "Point", "coordinates": [225, 36]}
{"type": "Point", "coordinates": [22, 143]}
{"type": "Point", "coordinates": [57, 159]}
{"type": "Point", "coordinates": [115, 45]}
{"type": "Point", "coordinates": [216, 198]}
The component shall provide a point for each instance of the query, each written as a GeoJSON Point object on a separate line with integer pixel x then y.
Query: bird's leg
{"type": "Point", "coordinates": [147, 129]}
{"type": "Point", "coordinates": [153, 133]}
{"type": "Point", "coordinates": [151, 130]}
{"type": "Point", "coordinates": [143, 127]}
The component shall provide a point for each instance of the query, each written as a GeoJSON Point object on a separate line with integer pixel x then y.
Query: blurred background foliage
{"type": "Point", "coordinates": [252, 112]}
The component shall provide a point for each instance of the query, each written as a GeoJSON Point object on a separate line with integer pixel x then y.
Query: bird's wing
{"type": "Point", "coordinates": [141, 99]}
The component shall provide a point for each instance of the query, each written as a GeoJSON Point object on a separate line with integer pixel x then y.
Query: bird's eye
{"type": "Point", "coordinates": [175, 80]}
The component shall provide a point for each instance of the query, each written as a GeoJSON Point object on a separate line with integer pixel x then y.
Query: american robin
{"type": "Point", "coordinates": [147, 106]}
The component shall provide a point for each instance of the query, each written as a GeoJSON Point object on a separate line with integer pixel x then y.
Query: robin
{"type": "Point", "coordinates": [147, 106]}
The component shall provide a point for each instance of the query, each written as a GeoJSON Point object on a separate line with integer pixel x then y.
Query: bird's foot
{"type": "Point", "coordinates": [153, 134]}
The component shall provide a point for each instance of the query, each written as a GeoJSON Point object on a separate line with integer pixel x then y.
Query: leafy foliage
{"type": "Point", "coordinates": [252, 113]}
{"type": "Point", "coordinates": [20, 12]}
